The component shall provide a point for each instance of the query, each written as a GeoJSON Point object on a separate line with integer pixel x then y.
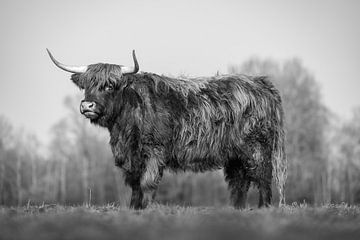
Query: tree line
{"type": "Point", "coordinates": [323, 153]}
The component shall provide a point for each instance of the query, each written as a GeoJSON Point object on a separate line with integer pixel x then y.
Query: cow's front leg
{"type": "Point", "coordinates": [145, 176]}
{"type": "Point", "coordinates": [137, 196]}
{"type": "Point", "coordinates": [150, 188]}
{"type": "Point", "coordinates": [152, 174]}
{"type": "Point", "coordinates": [143, 194]}
{"type": "Point", "coordinates": [132, 179]}
{"type": "Point", "coordinates": [144, 190]}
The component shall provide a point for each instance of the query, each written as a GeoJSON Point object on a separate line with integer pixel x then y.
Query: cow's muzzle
{"type": "Point", "coordinates": [88, 109]}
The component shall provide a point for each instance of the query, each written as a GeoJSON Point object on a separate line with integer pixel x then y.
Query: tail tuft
{"type": "Point", "coordinates": [279, 160]}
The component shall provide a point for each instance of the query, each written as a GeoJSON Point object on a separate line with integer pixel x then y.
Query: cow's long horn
{"type": "Point", "coordinates": [131, 70]}
{"type": "Point", "coordinates": [72, 69]}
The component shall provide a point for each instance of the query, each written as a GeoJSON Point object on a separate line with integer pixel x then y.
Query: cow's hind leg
{"type": "Point", "coordinates": [238, 183]}
{"type": "Point", "coordinates": [265, 194]}
{"type": "Point", "coordinates": [265, 173]}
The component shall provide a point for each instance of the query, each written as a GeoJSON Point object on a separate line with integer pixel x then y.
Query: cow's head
{"type": "Point", "coordinates": [100, 82]}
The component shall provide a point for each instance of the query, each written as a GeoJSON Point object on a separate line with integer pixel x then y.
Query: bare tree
{"type": "Point", "coordinates": [344, 160]}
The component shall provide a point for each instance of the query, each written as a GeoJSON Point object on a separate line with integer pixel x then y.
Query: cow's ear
{"type": "Point", "coordinates": [77, 80]}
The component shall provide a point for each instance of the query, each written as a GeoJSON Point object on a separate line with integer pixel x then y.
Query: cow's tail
{"type": "Point", "coordinates": [278, 158]}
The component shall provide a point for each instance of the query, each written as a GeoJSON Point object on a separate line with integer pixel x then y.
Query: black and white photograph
{"type": "Point", "coordinates": [168, 119]}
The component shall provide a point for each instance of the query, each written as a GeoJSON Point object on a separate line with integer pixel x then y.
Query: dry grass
{"type": "Point", "coordinates": [174, 222]}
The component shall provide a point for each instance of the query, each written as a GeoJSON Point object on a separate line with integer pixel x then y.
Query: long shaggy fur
{"type": "Point", "coordinates": [233, 122]}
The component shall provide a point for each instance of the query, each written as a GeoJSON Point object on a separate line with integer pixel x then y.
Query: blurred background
{"type": "Point", "coordinates": [50, 153]}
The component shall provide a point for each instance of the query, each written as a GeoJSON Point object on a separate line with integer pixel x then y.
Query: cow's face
{"type": "Point", "coordinates": [100, 83]}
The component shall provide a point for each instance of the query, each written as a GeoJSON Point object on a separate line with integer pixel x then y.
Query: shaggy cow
{"type": "Point", "coordinates": [234, 122]}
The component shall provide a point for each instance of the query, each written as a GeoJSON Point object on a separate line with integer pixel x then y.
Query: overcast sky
{"type": "Point", "coordinates": [170, 37]}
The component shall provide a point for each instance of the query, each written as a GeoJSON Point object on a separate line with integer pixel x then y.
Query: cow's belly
{"type": "Point", "coordinates": [197, 159]}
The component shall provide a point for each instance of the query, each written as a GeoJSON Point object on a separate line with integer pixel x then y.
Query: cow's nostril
{"type": "Point", "coordinates": [87, 106]}
{"type": "Point", "coordinates": [91, 105]}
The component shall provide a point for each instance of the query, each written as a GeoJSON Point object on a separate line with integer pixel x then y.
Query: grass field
{"type": "Point", "coordinates": [174, 222]}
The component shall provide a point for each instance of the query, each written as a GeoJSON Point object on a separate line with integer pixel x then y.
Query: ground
{"type": "Point", "coordinates": [175, 222]}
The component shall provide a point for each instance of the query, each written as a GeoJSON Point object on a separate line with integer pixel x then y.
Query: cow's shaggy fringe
{"type": "Point", "coordinates": [233, 122]}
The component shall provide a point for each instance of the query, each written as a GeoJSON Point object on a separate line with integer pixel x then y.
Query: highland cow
{"type": "Point", "coordinates": [234, 122]}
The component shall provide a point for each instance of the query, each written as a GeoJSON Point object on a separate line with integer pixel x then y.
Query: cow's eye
{"type": "Point", "coordinates": [109, 88]}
